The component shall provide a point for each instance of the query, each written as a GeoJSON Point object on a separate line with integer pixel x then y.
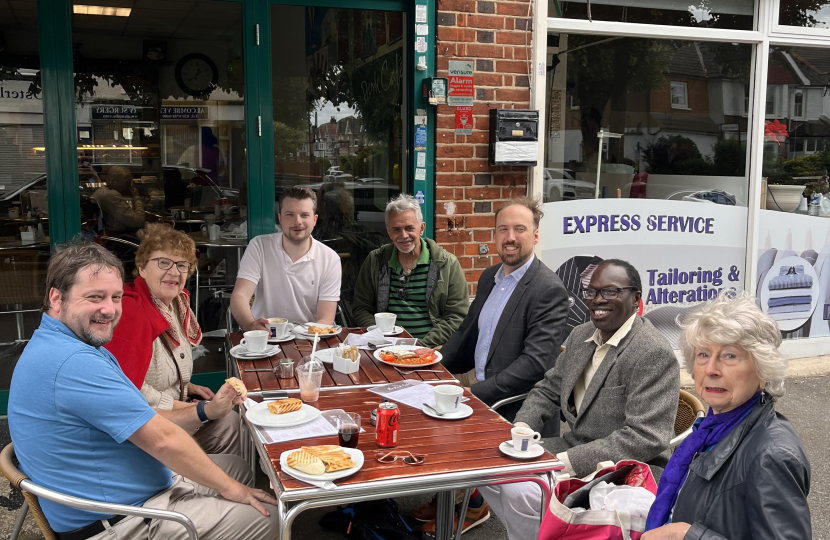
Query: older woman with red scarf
{"type": "Point", "coordinates": [157, 331]}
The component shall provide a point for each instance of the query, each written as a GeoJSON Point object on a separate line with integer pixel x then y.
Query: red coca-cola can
{"type": "Point", "coordinates": [386, 431]}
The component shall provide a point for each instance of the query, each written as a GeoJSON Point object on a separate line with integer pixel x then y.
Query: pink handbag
{"type": "Point", "coordinates": [560, 522]}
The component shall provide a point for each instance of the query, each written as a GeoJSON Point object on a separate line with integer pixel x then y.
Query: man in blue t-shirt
{"type": "Point", "coordinates": [80, 427]}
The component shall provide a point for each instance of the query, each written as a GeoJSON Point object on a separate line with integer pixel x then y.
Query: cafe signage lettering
{"type": "Point", "coordinates": [115, 112]}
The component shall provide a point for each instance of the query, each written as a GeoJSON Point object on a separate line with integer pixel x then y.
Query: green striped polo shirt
{"type": "Point", "coordinates": [412, 311]}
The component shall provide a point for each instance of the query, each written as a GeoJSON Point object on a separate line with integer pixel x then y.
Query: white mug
{"type": "Point", "coordinates": [447, 397]}
{"type": "Point", "coordinates": [255, 340]}
{"type": "Point", "coordinates": [214, 231]}
{"type": "Point", "coordinates": [279, 328]}
{"type": "Point", "coordinates": [524, 438]}
{"type": "Point", "coordinates": [385, 321]}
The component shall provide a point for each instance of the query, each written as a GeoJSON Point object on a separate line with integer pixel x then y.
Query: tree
{"type": "Point", "coordinates": [287, 142]}
{"type": "Point", "coordinates": [674, 154]}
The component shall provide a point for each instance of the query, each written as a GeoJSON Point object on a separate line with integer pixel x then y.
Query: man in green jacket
{"type": "Point", "coordinates": [412, 277]}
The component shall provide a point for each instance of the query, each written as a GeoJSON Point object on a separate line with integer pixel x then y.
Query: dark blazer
{"type": "Point", "coordinates": [628, 409]}
{"type": "Point", "coordinates": [527, 339]}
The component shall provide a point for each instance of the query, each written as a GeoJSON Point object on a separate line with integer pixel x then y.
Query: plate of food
{"type": "Point", "coordinates": [321, 463]}
{"type": "Point", "coordinates": [309, 330]}
{"type": "Point", "coordinates": [408, 355]}
{"type": "Point", "coordinates": [281, 413]}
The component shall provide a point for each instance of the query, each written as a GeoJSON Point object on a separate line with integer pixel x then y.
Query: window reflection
{"type": "Point", "coordinates": [734, 14]}
{"type": "Point", "coordinates": [160, 126]}
{"type": "Point", "coordinates": [797, 135]}
{"type": "Point", "coordinates": [338, 98]}
{"type": "Point", "coordinates": [679, 108]}
{"type": "Point", "coordinates": [815, 14]}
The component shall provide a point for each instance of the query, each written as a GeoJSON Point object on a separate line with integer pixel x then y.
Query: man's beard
{"type": "Point", "coordinates": [410, 250]}
{"type": "Point", "coordinates": [514, 258]}
{"type": "Point", "coordinates": [91, 339]}
{"type": "Point", "coordinates": [291, 236]}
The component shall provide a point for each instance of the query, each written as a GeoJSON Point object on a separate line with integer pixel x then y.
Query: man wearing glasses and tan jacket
{"type": "Point", "coordinates": [616, 384]}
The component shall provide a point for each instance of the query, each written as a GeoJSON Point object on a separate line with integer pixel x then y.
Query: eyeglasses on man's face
{"type": "Point", "coordinates": [609, 293]}
{"type": "Point", "coordinates": [166, 264]}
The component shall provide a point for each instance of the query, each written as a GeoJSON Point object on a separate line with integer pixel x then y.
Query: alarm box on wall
{"type": "Point", "coordinates": [514, 134]}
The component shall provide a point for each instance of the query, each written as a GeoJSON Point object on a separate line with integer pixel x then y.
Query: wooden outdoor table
{"type": "Point", "coordinates": [461, 454]}
{"type": "Point", "coordinates": [372, 371]}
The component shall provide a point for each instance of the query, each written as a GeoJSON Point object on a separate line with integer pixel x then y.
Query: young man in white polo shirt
{"type": "Point", "coordinates": [294, 276]}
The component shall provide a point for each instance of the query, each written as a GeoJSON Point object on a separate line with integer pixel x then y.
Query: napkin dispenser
{"type": "Point", "coordinates": [345, 365]}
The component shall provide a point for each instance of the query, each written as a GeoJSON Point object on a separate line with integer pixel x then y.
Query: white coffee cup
{"type": "Point", "coordinates": [524, 438]}
{"type": "Point", "coordinates": [255, 340]}
{"type": "Point", "coordinates": [279, 327]}
{"type": "Point", "coordinates": [386, 321]}
{"type": "Point", "coordinates": [447, 397]}
{"type": "Point", "coordinates": [214, 231]}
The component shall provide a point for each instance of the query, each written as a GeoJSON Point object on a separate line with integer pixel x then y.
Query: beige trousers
{"type": "Point", "coordinates": [220, 436]}
{"type": "Point", "coordinates": [214, 517]}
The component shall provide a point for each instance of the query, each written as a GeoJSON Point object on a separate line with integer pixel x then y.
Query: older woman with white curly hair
{"type": "Point", "coordinates": [742, 473]}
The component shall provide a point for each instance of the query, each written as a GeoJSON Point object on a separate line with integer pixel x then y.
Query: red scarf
{"type": "Point", "coordinates": [142, 321]}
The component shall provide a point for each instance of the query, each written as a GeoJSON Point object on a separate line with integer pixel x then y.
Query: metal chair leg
{"type": "Point", "coordinates": [21, 517]}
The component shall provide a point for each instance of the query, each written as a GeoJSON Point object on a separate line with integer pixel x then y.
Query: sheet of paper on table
{"type": "Point", "coordinates": [409, 392]}
{"type": "Point", "coordinates": [323, 425]}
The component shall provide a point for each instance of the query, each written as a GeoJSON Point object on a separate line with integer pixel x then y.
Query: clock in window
{"type": "Point", "coordinates": [197, 74]}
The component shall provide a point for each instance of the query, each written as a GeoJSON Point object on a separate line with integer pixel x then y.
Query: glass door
{"type": "Point", "coordinates": [338, 104]}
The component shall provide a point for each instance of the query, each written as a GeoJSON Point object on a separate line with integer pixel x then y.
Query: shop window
{"type": "Point", "coordinates": [160, 99]}
{"type": "Point", "coordinates": [24, 213]}
{"type": "Point", "coordinates": [736, 14]}
{"type": "Point", "coordinates": [338, 108]}
{"type": "Point", "coordinates": [679, 95]}
{"type": "Point", "coordinates": [635, 88]}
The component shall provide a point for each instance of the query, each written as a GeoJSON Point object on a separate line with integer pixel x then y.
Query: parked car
{"type": "Point", "coordinates": [561, 185]}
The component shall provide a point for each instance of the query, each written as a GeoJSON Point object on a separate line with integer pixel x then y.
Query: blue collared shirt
{"type": "Point", "coordinates": [71, 411]}
{"type": "Point", "coordinates": [490, 314]}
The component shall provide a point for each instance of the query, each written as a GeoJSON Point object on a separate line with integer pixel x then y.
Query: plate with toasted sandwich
{"type": "Point", "coordinates": [321, 463]}
{"type": "Point", "coordinates": [281, 413]}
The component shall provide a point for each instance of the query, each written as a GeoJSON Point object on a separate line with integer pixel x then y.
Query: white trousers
{"type": "Point", "coordinates": [518, 507]}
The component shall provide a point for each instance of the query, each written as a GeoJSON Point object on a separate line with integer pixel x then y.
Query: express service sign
{"type": "Point", "coordinates": [461, 88]}
{"type": "Point", "coordinates": [685, 252]}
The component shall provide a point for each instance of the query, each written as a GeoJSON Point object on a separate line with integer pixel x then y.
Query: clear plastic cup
{"type": "Point", "coordinates": [310, 377]}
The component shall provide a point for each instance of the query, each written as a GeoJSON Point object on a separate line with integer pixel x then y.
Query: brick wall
{"type": "Point", "coordinates": [496, 35]}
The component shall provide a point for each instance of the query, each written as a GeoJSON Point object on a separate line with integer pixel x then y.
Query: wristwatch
{"type": "Point", "coordinates": [200, 410]}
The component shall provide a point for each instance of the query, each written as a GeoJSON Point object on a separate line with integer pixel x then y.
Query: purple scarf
{"type": "Point", "coordinates": [708, 433]}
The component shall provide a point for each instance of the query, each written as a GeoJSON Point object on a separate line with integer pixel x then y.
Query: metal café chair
{"type": "Point", "coordinates": [31, 493]}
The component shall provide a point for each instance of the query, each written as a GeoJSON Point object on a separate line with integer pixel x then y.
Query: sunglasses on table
{"type": "Point", "coordinates": [609, 293]}
{"type": "Point", "coordinates": [166, 264]}
{"type": "Point", "coordinates": [385, 456]}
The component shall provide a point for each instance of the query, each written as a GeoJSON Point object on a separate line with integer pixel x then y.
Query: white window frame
{"type": "Point", "coordinates": [682, 106]}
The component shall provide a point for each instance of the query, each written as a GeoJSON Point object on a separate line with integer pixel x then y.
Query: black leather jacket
{"type": "Point", "coordinates": [753, 485]}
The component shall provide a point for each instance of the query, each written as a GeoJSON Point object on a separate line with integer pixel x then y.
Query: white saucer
{"type": "Point", "coordinates": [464, 411]}
{"type": "Point", "coordinates": [535, 451]}
{"type": "Point", "coordinates": [398, 330]}
{"type": "Point", "coordinates": [241, 352]}
{"type": "Point", "coordinates": [288, 337]}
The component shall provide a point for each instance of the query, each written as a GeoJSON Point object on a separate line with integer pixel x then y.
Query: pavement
{"type": "Point", "coordinates": [804, 405]}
